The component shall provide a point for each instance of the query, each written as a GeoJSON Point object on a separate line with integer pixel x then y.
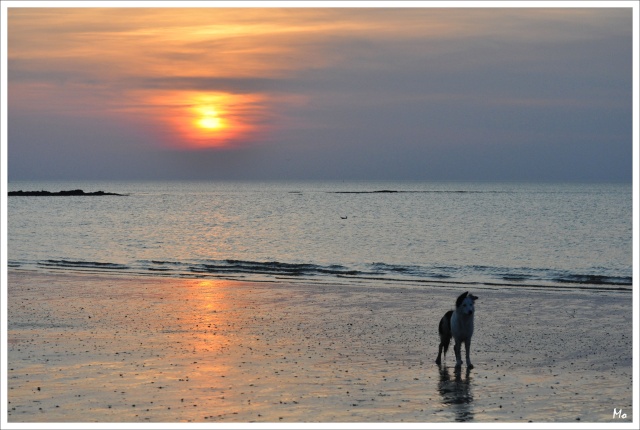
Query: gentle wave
{"type": "Point", "coordinates": [82, 264]}
{"type": "Point", "coordinates": [436, 275]}
{"type": "Point", "coordinates": [270, 268]}
{"type": "Point", "coordinates": [596, 279]}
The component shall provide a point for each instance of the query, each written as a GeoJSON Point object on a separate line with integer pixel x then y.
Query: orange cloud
{"type": "Point", "coordinates": [167, 68]}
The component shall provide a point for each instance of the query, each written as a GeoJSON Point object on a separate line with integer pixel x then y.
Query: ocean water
{"type": "Point", "coordinates": [504, 234]}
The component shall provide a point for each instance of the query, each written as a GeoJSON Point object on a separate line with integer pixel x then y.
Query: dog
{"type": "Point", "coordinates": [459, 325]}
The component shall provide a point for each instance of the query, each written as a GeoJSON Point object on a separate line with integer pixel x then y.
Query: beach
{"type": "Point", "coordinates": [95, 347]}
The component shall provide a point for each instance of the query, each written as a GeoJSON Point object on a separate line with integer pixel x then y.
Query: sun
{"type": "Point", "coordinates": [199, 120]}
{"type": "Point", "coordinates": [210, 123]}
{"type": "Point", "coordinates": [208, 118]}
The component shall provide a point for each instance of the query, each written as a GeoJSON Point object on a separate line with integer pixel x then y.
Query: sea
{"type": "Point", "coordinates": [440, 234]}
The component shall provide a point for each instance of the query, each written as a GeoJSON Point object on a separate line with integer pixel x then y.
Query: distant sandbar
{"type": "Point", "coordinates": [61, 193]}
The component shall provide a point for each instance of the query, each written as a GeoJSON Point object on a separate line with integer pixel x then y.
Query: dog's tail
{"type": "Point", "coordinates": [444, 329]}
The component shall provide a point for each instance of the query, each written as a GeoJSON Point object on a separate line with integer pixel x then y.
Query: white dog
{"type": "Point", "coordinates": [459, 324]}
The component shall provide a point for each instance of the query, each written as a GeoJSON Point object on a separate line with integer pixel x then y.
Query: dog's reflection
{"type": "Point", "coordinates": [456, 392]}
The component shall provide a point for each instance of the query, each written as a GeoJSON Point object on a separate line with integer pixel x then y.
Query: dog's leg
{"type": "Point", "coordinates": [467, 346]}
{"type": "Point", "coordinates": [456, 349]}
{"type": "Point", "coordinates": [442, 349]}
{"type": "Point", "coordinates": [444, 330]}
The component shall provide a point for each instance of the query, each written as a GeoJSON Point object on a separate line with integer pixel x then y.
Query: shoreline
{"type": "Point", "coordinates": [94, 269]}
{"type": "Point", "coordinates": [100, 348]}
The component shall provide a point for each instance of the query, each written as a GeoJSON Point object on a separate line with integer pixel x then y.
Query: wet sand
{"type": "Point", "coordinates": [97, 348]}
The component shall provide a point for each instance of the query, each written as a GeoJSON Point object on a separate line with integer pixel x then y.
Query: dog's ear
{"type": "Point", "coordinates": [461, 297]}
{"type": "Point", "coordinates": [474, 298]}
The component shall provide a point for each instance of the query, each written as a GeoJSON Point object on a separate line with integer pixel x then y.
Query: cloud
{"type": "Point", "coordinates": [360, 90]}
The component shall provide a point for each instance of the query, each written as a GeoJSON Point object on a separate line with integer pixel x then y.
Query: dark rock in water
{"type": "Point", "coordinates": [371, 192]}
{"type": "Point", "coordinates": [61, 193]}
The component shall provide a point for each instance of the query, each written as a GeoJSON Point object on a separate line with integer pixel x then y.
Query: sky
{"type": "Point", "coordinates": [320, 93]}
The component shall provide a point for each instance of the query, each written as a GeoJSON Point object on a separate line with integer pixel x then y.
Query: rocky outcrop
{"type": "Point", "coordinates": [61, 193]}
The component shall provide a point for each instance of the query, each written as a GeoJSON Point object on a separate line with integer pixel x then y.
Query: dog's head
{"type": "Point", "coordinates": [464, 303]}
